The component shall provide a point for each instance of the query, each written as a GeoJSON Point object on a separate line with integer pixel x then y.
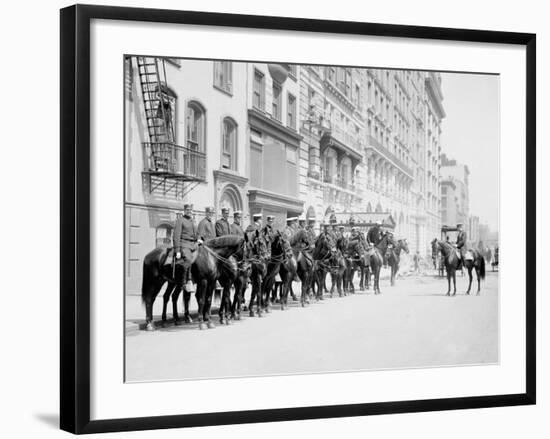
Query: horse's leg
{"type": "Point", "coordinates": [200, 295]}
{"type": "Point", "coordinates": [469, 279]}
{"type": "Point", "coordinates": [253, 293]}
{"type": "Point", "coordinates": [236, 304]}
{"type": "Point", "coordinates": [449, 281]}
{"type": "Point", "coordinates": [454, 282]}
{"type": "Point", "coordinates": [186, 299]}
{"type": "Point", "coordinates": [378, 270]}
{"type": "Point", "coordinates": [223, 301]}
{"type": "Point", "coordinates": [149, 296]}
{"type": "Point", "coordinates": [333, 282]}
{"type": "Point", "coordinates": [208, 303]}
{"type": "Point", "coordinates": [175, 297]}
{"type": "Point", "coordinates": [392, 274]}
{"type": "Point", "coordinates": [340, 280]}
{"type": "Point", "coordinates": [478, 282]}
{"type": "Point", "coordinates": [166, 298]}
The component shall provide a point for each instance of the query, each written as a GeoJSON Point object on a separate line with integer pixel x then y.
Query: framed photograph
{"type": "Point", "coordinates": [277, 218]}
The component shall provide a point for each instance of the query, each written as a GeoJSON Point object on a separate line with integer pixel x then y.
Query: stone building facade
{"type": "Point", "coordinates": [280, 139]}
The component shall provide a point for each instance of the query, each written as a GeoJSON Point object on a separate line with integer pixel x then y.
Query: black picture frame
{"type": "Point", "coordinates": [75, 217]}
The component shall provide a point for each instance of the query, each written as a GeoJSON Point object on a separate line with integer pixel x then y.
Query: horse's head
{"type": "Point", "coordinates": [258, 245]}
{"type": "Point", "coordinates": [189, 255]}
{"type": "Point", "coordinates": [402, 243]}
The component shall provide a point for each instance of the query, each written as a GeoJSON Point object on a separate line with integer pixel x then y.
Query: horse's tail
{"type": "Point", "coordinates": [482, 268]}
{"type": "Point", "coordinates": [150, 273]}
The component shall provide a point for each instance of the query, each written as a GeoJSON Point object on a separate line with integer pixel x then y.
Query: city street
{"type": "Point", "coordinates": [412, 324]}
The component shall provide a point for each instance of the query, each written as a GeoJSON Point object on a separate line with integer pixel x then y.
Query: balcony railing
{"type": "Point", "coordinates": [175, 161]}
{"type": "Point", "coordinates": [374, 142]}
{"type": "Point", "coordinates": [339, 182]}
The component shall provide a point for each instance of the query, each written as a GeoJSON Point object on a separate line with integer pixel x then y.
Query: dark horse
{"type": "Point", "coordinates": [355, 261]}
{"type": "Point", "coordinates": [304, 265]}
{"type": "Point", "coordinates": [280, 252]}
{"type": "Point", "coordinates": [376, 259]}
{"type": "Point", "coordinates": [251, 268]}
{"type": "Point", "coordinates": [450, 260]}
{"type": "Point", "coordinates": [394, 257]}
{"type": "Point", "coordinates": [322, 253]}
{"type": "Point", "coordinates": [475, 261]}
{"type": "Point", "coordinates": [215, 261]}
{"type": "Point", "coordinates": [157, 272]}
{"type": "Point", "coordinates": [452, 263]}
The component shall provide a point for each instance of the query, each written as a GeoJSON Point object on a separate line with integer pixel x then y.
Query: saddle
{"type": "Point", "coordinates": [169, 257]}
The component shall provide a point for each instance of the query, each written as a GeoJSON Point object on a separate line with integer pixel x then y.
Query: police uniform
{"type": "Point", "coordinates": [185, 232]}
{"type": "Point", "coordinates": [235, 228]}
{"type": "Point", "coordinates": [373, 235]}
{"type": "Point", "coordinates": [185, 236]}
{"type": "Point", "coordinates": [268, 230]}
{"type": "Point", "coordinates": [461, 239]}
{"type": "Point", "coordinates": [222, 225]}
{"type": "Point", "coordinates": [206, 227]}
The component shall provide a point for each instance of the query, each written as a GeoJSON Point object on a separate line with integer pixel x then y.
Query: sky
{"type": "Point", "coordinates": [470, 134]}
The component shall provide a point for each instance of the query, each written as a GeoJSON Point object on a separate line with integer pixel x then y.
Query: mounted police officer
{"type": "Point", "coordinates": [310, 230]}
{"type": "Point", "coordinates": [391, 244]}
{"type": "Point", "coordinates": [268, 230]}
{"type": "Point", "coordinates": [374, 234]}
{"type": "Point", "coordinates": [256, 223]}
{"type": "Point", "coordinates": [185, 236]}
{"type": "Point", "coordinates": [291, 227]}
{"type": "Point", "coordinates": [302, 223]}
{"type": "Point", "coordinates": [461, 243]}
{"type": "Point", "coordinates": [206, 229]}
{"type": "Point", "coordinates": [222, 225]}
{"type": "Point", "coordinates": [235, 227]}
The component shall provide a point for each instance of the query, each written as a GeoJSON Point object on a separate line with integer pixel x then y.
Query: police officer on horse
{"type": "Point", "coordinates": [461, 243]}
{"type": "Point", "coordinates": [222, 225]}
{"type": "Point", "coordinates": [185, 236]}
{"type": "Point", "coordinates": [235, 227]}
{"type": "Point", "coordinates": [206, 229]}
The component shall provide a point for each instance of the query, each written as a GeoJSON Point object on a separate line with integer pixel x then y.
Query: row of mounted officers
{"type": "Point", "coordinates": [186, 232]}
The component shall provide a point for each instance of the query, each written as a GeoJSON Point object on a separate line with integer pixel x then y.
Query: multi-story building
{"type": "Point", "coordinates": [272, 104]}
{"type": "Point", "coordinates": [455, 193]}
{"type": "Point", "coordinates": [331, 155]}
{"type": "Point", "coordinates": [185, 136]}
{"type": "Point", "coordinates": [371, 143]}
{"type": "Point", "coordinates": [473, 229]}
{"type": "Point", "coordinates": [280, 139]}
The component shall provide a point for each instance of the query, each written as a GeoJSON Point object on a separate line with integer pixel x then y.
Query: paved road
{"type": "Point", "coordinates": [412, 324]}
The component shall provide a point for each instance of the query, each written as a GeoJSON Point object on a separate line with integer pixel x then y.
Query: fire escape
{"type": "Point", "coordinates": [170, 169]}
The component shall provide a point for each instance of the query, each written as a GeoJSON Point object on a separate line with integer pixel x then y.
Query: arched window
{"type": "Point", "coordinates": [163, 235]}
{"type": "Point", "coordinates": [231, 198]}
{"type": "Point", "coordinates": [378, 208]}
{"type": "Point", "coordinates": [369, 208]}
{"type": "Point", "coordinates": [196, 127]}
{"type": "Point", "coordinates": [229, 144]}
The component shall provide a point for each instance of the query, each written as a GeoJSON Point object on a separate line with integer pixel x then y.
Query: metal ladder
{"type": "Point", "coordinates": [160, 127]}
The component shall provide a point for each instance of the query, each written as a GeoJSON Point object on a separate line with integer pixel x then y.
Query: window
{"type": "Point", "coordinates": [163, 235]}
{"type": "Point", "coordinates": [196, 127]}
{"type": "Point", "coordinates": [357, 96]}
{"type": "Point", "coordinates": [229, 144]}
{"type": "Point", "coordinates": [291, 154]}
{"type": "Point", "coordinates": [331, 74]}
{"type": "Point", "coordinates": [291, 112]}
{"type": "Point", "coordinates": [277, 101]}
{"type": "Point", "coordinates": [223, 75]}
{"type": "Point", "coordinates": [258, 96]}
{"type": "Point", "coordinates": [293, 71]}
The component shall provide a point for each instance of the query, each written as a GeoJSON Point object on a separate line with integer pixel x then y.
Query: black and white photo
{"type": "Point", "coordinates": [324, 218]}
